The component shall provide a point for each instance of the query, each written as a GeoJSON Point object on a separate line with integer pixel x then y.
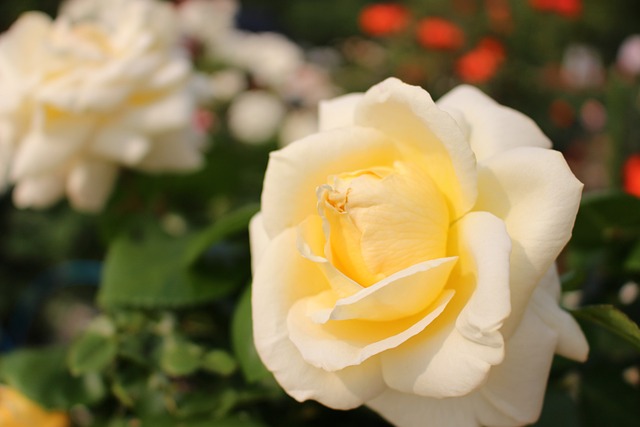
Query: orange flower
{"type": "Point", "coordinates": [631, 175]}
{"type": "Point", "coordinates": [18, 411]}
{"type": "Point", "coordinates": [382, 19]}
{"type": "Point", "coordinates": [439, 34]}
{"type": "Point", "coordinates": [480, 64]}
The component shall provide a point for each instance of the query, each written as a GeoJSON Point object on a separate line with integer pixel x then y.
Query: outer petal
{"type": "Point", "coordinates": [409, 115]}
{"type": "Point", "coordinates": [277, 285]}
{"type": "Point", "coordinates": [492, 128]}
{"type": "Point", "coordinates": [537, 196]}
{"type": "Point", "coordinates": [90, 183]}
{"type": "Point", "coordinates": [571, 341]}
{"type": "Point", "coordinates": [121, 145]}
{"type": "Point", "coordinates": [453, 359]}
{"type": "Point", "coordinates": [44, 151]}
{"type": "Point", "coordinates": [38, 192]}
{"type": "Point", "coordinates": [512, 395]}
{"type": "Point", "coordinates": [294, 172]}
{"type": "Point", "coordinates": [338, 112]}
{"type": "Point", "coordinates": [258, 240]}
{"type": "Point", "coordinates": [336, 345]}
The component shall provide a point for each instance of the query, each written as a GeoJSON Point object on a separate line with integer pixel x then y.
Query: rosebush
{"type": "Point", "coordinates": [106, 84]}
{"type": "Point", "coordinates": [404, 258]}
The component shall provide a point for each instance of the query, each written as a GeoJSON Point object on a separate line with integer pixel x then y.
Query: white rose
{"type": "Point", "coordinates": [270, 57]}
{"type": "Point", "coordinates": [207, 20]}
{"type": "Point", "coordinates": [404, 259]}
{"type": "Point", "coordinates": [104, 85]}
{"type": "Point", "coordinates": [254, 116]}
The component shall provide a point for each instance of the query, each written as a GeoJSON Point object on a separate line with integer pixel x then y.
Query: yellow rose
{"type": "Point", "coordinates": [404, 259]}
{"type": "Point", "coordinates": [104, 85]}
{"type": "Point", "coordinates": [18, 411]}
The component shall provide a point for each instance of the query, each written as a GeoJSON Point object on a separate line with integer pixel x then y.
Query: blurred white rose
{"type": "Point", "coordinates": [207, 20]}
{"type": "Point", "coordinates": [227, 83]}
{"type": "Point", "coordinates": [270, 57]}
{"type": "Point", "coordinates": [102, 86]}
{"type": "Point", "coordinates": [255, 116]}
{"type": "Point", "coordinates": [629, 55]}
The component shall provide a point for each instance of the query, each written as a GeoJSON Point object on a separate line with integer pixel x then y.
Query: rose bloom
{"type": "Point", "coordinates": [102, 86]}
{"type": "Point", "coordinates": [17, 410]}
{"type": "Point", "coordinates": [481, 64]}
{"type": "Point", "coordinates": [383, 19]}
{"type": "Point", "coordinates": [404, 259]}
{"type": "Point", "coordinates": [439, 34]}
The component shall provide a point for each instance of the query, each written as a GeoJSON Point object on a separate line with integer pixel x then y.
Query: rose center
{"type": "Point", "coordinates": [382, 220]}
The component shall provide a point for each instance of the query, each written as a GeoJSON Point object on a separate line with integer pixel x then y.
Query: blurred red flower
{"type": "Point", "coordinates": [382, 19]}
{"type": "Point", "coordinates": [439, 34]}
{"type": "Point", "coordinates": [480, 64]}
{"type": "Point", "coordinates": [631, 175]}
{"type": "Point", "coordinates": [566, 8]}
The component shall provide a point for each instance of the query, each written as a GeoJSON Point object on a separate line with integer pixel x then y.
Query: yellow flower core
{"type": "Point", "coordinates": [382, 220]}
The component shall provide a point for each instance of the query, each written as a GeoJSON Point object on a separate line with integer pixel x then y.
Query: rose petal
{"type": "Point", "coordinates": [276, 286]}
{"type": "Point", "coordinates": [536, 194]}
{"type": "Point", "coordinates": [514, 392]}
{"type": "Point", "coordinates": [38, 192]}
{"type": "Point", "coordinates": [90, 183]}
{"type": "Point", "coordinates": [294, 172]}
{"type": "Point", "coordinates": [258, 240]}
{"type": "Point", "coordinates": [50, 145]}
{"type": "Point", "coordinates": [512, 395]}
{"type": "Point", "coordinates": [338, 112]}
{"type": "Point", "coordinates": [339, 344]}
{"type": "Point", "coordinates": [25, 35]}
{"type": "Point", "coordinates": [453, 356]}
{"type": "Point", "coordinates": [493, 128]}
{"type": "Point", "coordinates": [409, 115]}
{"type": "Point", "coordinates": [571, 341]}
{"type": "Point", "coordinates": [121, 145]}
{"type": "Point", "coordinates": [402, 294]}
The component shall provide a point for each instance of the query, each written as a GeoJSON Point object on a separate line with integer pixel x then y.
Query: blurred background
{"type": "Point", "coordinates": [573, 66]}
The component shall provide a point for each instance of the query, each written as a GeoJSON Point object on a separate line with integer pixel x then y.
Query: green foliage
{"type": "Point", "coordinates": [242, 341]}
{"type": "Point", "coordinates": [148, 268]}
{"type": "Point", "coordinates": [613, 320]}
{"type": "Point", "coordinates": [42, 376]}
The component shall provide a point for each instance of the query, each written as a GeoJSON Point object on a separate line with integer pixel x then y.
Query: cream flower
{"type": "Point", "coordinates": [404, 259]}
{"type": "Point", "coordinates": [102, 86]}
{"type": "Point", "coordinates": [254, 116]}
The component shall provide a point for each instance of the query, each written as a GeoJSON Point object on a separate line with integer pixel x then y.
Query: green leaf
{"type": "Point", "coordinates": [242, 341]}
{"type": "Point", "coordinates": [180, 357]}
{"type": "Point", "coordinates": [613, 320]}
{"type": "Point", "coordinates": [149, 270]}
{"type": "Point", "coordinates": [92, 352]}
{"type": "Point", "coordinates": [226, 226]}
{"type": "Point", "coordinates": [633, 260]}
{"type": "Point", "coordinates": [219, 362]}
{"type": "Point", "coordinates": [42, 376]}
